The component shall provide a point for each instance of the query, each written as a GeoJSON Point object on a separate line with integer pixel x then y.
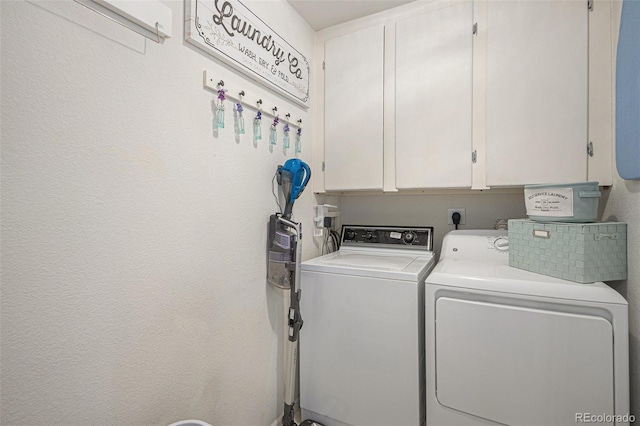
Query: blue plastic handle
{"type": "Point", "coordinates": [297, 189]}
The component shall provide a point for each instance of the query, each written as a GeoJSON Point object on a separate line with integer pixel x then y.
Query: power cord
{"type": "Point", "coordinates": [273, 190]}
{"type": "Point", "coordinates": [331, 240]}
{"type": "Point", "coordinates": [455, 217]}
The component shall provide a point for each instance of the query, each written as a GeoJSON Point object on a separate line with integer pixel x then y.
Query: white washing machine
{"type": "Point", "coordinates": [507, 346]}
{"type": "Point", "coordinates": [362, 342]}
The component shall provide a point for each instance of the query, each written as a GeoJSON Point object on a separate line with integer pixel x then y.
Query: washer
{"type": "Point", "coordinates": [362, 343]}
{"type": "Point", "coordinates": [507, 346]}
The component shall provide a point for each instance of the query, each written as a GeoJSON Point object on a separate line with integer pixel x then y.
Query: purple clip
{"type": "Point", "coordinates": [239, 107]}
{"type": "Point", "coordinates": [286, 127]}
{"type": "Point", "coordinates": [275, 121]}
{"type": "Point", "coordinates": [299, 131]}
{"type": "Point", "coordinates": [221, 94]}
{"type": "Point", "coordinates": [259, 116]}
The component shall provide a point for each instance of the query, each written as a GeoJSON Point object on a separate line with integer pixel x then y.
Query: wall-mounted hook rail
{"type": "Point", "coordinates": [214, 86]}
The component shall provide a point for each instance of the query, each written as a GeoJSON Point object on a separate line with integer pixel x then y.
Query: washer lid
{"type": "Point", "coordinates": [498, 276]}
{"type": "Point", "coordinates": [393, 263]}
{"type": "Point", "coordinates": [401, 265]}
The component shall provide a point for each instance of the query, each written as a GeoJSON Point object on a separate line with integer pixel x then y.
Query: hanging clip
{"type": "Point", "coordinates": [273, 135]}
{"type": "Point", "coordinates": [239, 118]}
{"type": "Point", "coordinates": [298, 147]}
{"type": "Point", "coordinates": [285, 138]}
{"type": "Point", "coordinates": [257, 124]}
{"type": "Point", "coordinates": [220, 107]}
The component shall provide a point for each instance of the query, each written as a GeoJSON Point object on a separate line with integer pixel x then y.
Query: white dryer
{"type": "Point", "coordinates": [362, 342]}
{"type": "Point", "coordinates": [507, 346]}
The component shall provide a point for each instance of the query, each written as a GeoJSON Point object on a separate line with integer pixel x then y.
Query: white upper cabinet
{"type": "Point", "coordinates": [466, 94]}
{"type": "Point", "coordinates": [433, 99]}
{"type": "Point", "coordinates": [536, 91]}
{"type": "Point", "coordinates": [353, 110]}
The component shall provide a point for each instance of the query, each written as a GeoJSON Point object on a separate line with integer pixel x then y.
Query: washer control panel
{"type": "Point", "coordinates": [419, 238]}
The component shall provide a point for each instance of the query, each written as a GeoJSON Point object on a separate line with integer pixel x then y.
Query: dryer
{"type": "Point", "coordinates": [362, 343]}
{"type": "Point", "coordinates": [508, 346]}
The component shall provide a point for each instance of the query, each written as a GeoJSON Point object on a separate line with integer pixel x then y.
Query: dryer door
{"type": "Point", "coordinates": [522, 366]}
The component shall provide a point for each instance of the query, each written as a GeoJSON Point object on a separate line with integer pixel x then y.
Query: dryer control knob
{"type": "Point", "coordinates": [408, 237]}
{"type": "Point", "coordinates": [501, 244]}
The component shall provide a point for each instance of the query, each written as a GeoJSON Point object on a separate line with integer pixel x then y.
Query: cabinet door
{"type": "Point", "coordinates": [537, 91]}
{"type": "Point", "coordinates": [353, 91]}
{"type": "Point", "coordinates": [434, 98]}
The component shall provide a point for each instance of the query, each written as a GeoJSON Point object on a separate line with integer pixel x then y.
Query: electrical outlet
{"type": "Point", "coordinates": [463, 216]}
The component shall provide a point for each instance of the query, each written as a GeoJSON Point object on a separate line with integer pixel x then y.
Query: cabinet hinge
{"type": "Point", "coordinates": [322, 65]}
{"type": "Point", "coordinates": [474, 156]}
{"type": "Point", "coordinates": [323, 166]}
{"type": "Point", "coordinates": [475, 29]}
{"type": "Point", "coordinates": [590, 149]}
{"type": "Point", "coordinates": [590, 5]}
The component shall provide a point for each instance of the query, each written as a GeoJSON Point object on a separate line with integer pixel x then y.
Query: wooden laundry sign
{"type": "Point", "coordinates": [229, 31]}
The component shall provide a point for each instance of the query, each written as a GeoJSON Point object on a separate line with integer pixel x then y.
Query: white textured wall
{"type": "Point", "coordinates": [133, 239]}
